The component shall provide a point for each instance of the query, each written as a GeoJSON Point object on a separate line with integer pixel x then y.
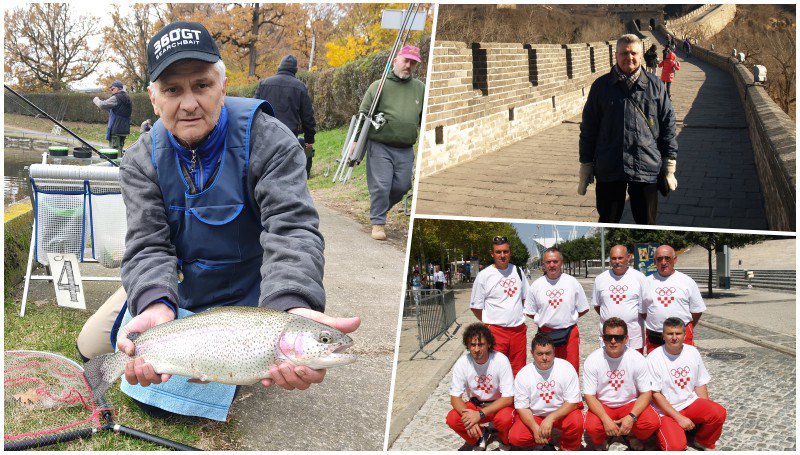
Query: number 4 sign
{"type": "Point", "coordinates": [67, 280]}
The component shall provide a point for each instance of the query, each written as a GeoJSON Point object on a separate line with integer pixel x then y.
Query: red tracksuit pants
{"type": "Point", "coordinates": [571, 428]}
{"type": "Point", "coordinates": [645, 425]}
{"type": "Point", "coordinates": [570, 351]}
{"type": "Point", "coordinates": [513, 343]}
{"type": "Point", "coordinates": [501, 420]}
{"type": "Point", "coordinates": [709, 415]}
{"type": "Point", "coordinates": [688, 340]}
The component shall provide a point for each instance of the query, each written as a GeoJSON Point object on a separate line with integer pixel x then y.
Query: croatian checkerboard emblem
{"type": "Point", "coordinates": [484, 382]}
{"type": "Point", "coordinates": [617, 292]}
{"type": "Point", "coordinates": [665, 296]}
{"type": "Point", "coordinates": [554, 298]}
{"type": "Point", "coordinates": [509, 286]}
{"type": "Point", "coordinates": [546, 390]}
{"type": "Point", "coordinates": [681, 376]}
{"type": "Point", "coordinates": [616, 378]}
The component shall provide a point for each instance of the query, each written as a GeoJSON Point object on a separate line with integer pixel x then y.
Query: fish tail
{"type": "Point", "coordinates": [102, 371]}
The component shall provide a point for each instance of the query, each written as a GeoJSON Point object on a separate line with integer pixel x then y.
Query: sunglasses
{"type": "Point", "coordinates": [664, 258]}
{"type": "Point", "coordinates": [499, 240]}
{"type": "Point", "coordinates": [617, 338]}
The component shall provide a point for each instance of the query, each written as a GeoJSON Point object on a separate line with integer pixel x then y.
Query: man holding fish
{"type": "Point", "coordinates": [218, 210]}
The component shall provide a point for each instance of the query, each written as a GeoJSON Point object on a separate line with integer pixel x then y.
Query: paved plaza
{"type": "Point", "coordinates": [537, 178]}
{"type": "Point", "coordinates": [755, 382]}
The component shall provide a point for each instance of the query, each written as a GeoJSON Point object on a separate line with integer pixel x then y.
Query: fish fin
{"type": "Point", "coordinates": [101, 371]}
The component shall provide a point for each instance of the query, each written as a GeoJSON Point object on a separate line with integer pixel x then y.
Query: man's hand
{"type": "Point", "coordinates": [585, 177]}
{"type": "Point", "coordinates": [545, 429]}
{"type": "Point", "coordinates": [625, 425]}
{"type": "Point", "coordinates": [611, 427]}
{"type": "Point", "coordinates": [475, 431]}
{"type": "Point", "coordinates": [136, 370]}
{"type": "Point", "coordinates": [470, 418]}
{"type": "Point", "coordinates": [309, 146]}
{"type": "Point", "coordinates": [290, 376]}
{"type": "Point", "coordinates": [669, 168]}
{"type": "Point", "coordinates": [685, 422]}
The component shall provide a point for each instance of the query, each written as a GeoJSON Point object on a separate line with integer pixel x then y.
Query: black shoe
{"type": "Point", "coordinates": [466, 447]}
{"type": "Point", "coordinates": [549, 447]}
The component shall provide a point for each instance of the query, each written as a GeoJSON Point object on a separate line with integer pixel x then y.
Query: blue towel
{"type": "Point", "coordinates": [212, 400]}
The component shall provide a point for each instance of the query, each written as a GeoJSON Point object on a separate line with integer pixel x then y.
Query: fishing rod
{"type": "Point", "coordinates": [60, 125]}
{"type": "Point", "coordinates": [354, 147]}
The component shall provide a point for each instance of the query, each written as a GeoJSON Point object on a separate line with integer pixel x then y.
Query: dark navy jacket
{"type": "Point", "coordinates": [119, 121]}
{"type": "Point", "coordinates": [615, 135]}
{"type": "Point", "coordinates": [289, 98]}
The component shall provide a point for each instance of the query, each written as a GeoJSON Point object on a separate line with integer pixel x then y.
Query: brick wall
{"type": "Point", "coordinates": [703, 22]}
{"type": "Point", "coordinates": [484, 96]}
{"type": "Point", "coordinates": [773, 135]}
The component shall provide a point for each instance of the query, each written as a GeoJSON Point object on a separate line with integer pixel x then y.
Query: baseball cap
{"type": "Point", "coordinates": [117, 84]}
{"type": "Point", "coordinates": [410, 52]}
{"type": "Point", "coordinates": [178, 41]}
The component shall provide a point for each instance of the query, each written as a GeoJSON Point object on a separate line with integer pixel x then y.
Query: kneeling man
{"type": "Point", "coordinates": [485, 375]}
{"type": "Point", "coordinates": [546, 395]}
{"type": "Point", "coordinates": [617, 389]}
{"type": "Point", "coordinates": [680, 393]}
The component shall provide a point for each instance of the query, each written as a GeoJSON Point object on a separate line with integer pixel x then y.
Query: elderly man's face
{"type": "Point", "coordinates": [618, 257]}
{"type": "Point", "coordinates": [665, 260]}
{"type": "Point", "coordinates": [188, 96]}
{"type": "Point", "coordinates": [552, 264]}
{"type": "Point", "coordinates": [403, 67]}
{"type": "Point", "coordinates": [629, 57]}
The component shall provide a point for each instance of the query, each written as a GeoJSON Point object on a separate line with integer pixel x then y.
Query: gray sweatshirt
{"type": "Point", "coordinates": [293, 262]}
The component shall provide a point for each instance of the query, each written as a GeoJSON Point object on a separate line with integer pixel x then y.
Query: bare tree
{"type": "Point", "coordinates": [46, 46]}
{"type": "Point", "coordinates": [128, 37]}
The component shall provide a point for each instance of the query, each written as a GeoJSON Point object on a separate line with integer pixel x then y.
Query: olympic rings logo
{"type": "Point", "coordinates": [680, 372]}
{"type": "Point", "coordinates": [483, 379]}
{"type": "Point", "coordinates": [615, 374]}
{"type": "Point", "coordinates": [542, 386]}
{"type": "Point", "coordinates": [617, 289]}
{"type": "Point", "coordinates": [665, 291]}
{"type": "Point", "coordinates": [555, 293]}
{"type": "Point", "coordinates": [507, 282]}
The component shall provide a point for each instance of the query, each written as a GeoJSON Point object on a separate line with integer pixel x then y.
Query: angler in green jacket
{"type": "Point", "coordinates": [390, 149]}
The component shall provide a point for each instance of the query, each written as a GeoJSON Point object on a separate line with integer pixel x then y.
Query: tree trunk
{"type": "Point", "coordinates": [710, 273]}
{"type": "Point", "coordinates": [251, 48]}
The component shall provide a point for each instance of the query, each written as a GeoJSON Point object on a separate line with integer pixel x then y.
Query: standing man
{"type": "Point", "coordinates": [497, 299]}
{"type": "Point", "coordinates": [203, 235]}
{"type": "Point", "coordinates": [119, 120]}
{"type": "Point", "coordinates": [680, 393]}
{"type": "Point", "coordinates": [390, 149]}
{"type": "Point", "coordinates": [438, 278]}
{"type": "Point", "coordinates": [627, 138]}
{"type": "Point", "coordinates": [617, 390]}
{"type": "Point", "coordinates": [671, 294]}
{"type": "Point", "coordinates": [289, 98]}
{"type": "Point", "coordinates": [546, 396]}
{"type": "Point", "coordinates": [485, 376]}
{"type": "Point", "coordinates": [620, 293]}
{"type": "Point", "coordinates": [555, 301]}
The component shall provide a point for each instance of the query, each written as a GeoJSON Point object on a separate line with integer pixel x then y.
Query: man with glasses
{"type": "Point", "coordinates": [485, 376]}
{"type": "Point", "coordinates": [546, 395]}
{"type": "Point", "coordinates": [617, 390]}
{"type": "Point", "coordinates": [670, 294]}
{"type": "Point", "coordinates": [619, 292]}
{"type": "Point", "coordinates": [555, 301]}
{"type": "Point", "coordinates": [498, 296]}
{"type": "Point", "coordinates": [680, 394]}
{"type": "Point", "coordinates": [628, 138]}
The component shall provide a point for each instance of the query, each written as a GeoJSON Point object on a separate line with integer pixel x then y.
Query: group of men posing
{"type": "Point", "coordinates": [626, 394]}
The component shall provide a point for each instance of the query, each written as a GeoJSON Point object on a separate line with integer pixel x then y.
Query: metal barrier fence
{"type": "Point", "coordinates": [435, 313]}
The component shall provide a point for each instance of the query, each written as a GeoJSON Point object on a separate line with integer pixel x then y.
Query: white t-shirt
{"type": "Point", "coordinates": [545, 391]}
{"type": "Point", "coordinates": [674, 296]}
{"type": "Point", "coordinates": [499, 293]}
{"type": "Point", "coordinates": [486, 382]}
{"type": "Point", "coordinates": [676, 376]}
{"type": "Point", "coordinates": [622, 297]}
{"type": "Point", "coordinates": [615, 382]}
{"type": "Point", "coordinates": [555, 304]}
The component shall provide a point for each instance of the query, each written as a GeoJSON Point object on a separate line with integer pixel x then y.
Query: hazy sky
{"type": "Point", "coordinates": [527, 230]}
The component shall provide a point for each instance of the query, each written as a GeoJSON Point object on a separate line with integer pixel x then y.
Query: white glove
{"type": "Point", "coordinates": [669, 173]}
{"type": "Point", "coordinates": [586, 176]}
{"type": "Point", "coordinates": [96, 100]}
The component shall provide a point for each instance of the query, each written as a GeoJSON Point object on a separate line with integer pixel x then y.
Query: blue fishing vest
{"type": "Point", "coordinates": [216, 231]}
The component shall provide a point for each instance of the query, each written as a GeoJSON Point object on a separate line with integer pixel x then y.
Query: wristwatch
{"type": "Point", "coordinates": [480, 413]}
{"type": "Point", "coordinates": [633, 416]}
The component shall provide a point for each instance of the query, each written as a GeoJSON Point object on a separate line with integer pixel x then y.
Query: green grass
{"type": "Point", "coordinates": [47, 327]}
{"type": "Point", "coordinates": [90, 132]}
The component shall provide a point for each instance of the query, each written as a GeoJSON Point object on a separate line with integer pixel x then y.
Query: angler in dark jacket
{"type": "Point", "coordinates": [627, 138]}
{"type": "Point", "coordinates": [119, 121]}
{"type": "Point", "coordinates": [289, 98]}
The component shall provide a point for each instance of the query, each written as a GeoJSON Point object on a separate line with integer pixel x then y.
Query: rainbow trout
{"type": "Point", "coordinates": [231, 345]}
